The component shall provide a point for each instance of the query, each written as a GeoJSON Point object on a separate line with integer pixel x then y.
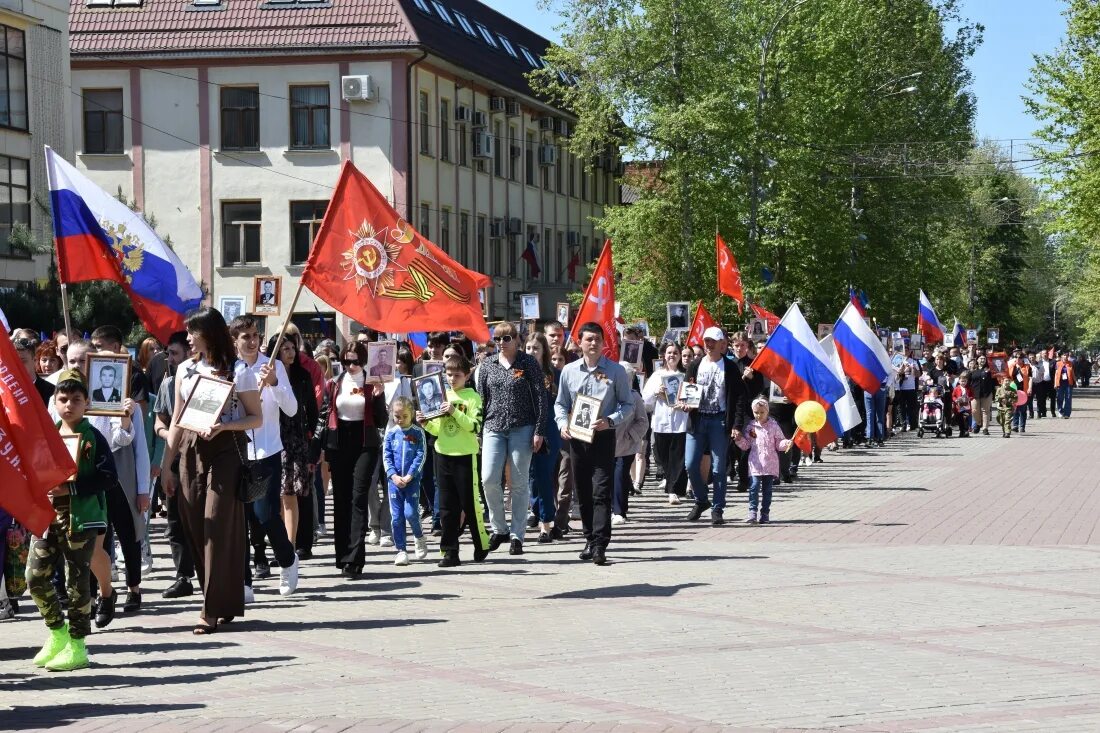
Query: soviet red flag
{"type": "Point", "coordinates": [370, 264]}
{"type": "Point", "coordinates": [729, 274]}
{"type": "Point", "coordinates": [703, 321]}
{"type": "Point", "coordinates": [599, 304]}
{"type": "Point", "coordinates": [770, 318]}
{"type": "Point", "coordinates": [33, 458]}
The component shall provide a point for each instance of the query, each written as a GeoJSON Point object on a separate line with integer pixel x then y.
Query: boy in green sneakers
{"type": "Point", "coordinates": [80, 509]}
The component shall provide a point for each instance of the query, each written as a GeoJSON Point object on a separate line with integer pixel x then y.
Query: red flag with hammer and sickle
{"type": "Point", "coordinates": [599, 304]}
{"type": "Point", "coordinates": [703, 321]}
{"type": "Point", "coordinates": [370, 264]}
{"type": "Point", "coordinates": [729, 274]}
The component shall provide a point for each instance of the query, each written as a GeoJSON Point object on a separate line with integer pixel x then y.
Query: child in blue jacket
{"type": "Point", "coordinates": [403, 453]}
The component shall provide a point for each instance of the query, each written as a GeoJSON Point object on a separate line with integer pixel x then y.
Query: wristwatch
{"type": "Point", "coordinates": [610, 423]}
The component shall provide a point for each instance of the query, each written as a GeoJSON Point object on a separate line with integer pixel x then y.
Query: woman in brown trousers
{"type": "Point", "coordinates": [211, 513]}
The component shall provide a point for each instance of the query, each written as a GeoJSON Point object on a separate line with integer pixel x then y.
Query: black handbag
{"type": "Point", "coordinates": [252, 484]}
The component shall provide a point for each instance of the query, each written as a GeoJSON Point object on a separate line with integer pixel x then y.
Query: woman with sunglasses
{"type": "Point", "coordinates": [514, 406]}
{"type": "Point", "coordinates": [347, 429]}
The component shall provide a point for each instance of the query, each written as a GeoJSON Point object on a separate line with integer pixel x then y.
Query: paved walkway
{"type": "Point", "coordinates": [934, 585]}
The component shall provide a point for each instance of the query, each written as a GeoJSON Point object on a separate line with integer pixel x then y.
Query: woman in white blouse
{"type": "Point", "coordinates": [669, 425]}
{"type": "Point", "coordinates": [211, 511]}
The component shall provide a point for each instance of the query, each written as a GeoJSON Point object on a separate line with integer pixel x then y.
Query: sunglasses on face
{"type": "Point", "coordinates": [505, 339]}
{"type": "Point", "coordinates": [25, 344]}
{"type": "Point", "coordinates": [350, 362]}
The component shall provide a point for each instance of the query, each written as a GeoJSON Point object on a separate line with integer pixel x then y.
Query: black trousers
{"type": "Point", "coordinates": [120, 521]}
{"type": "Point", "coordinates": [457, 479]}
{"type": "Point", "coordinates": [352, 468]}
{"type": "Point", "coordinates": [668, 453]}
{"type": "Point", "coordinates": [304, 539]}
{"type": "Point", "coordinates": [908, 401]}
{"type": "Point", "coordinates": [181, 552]}
{"type": "Point", "coordinates": [1042, 396]}
{"type": "Point", "coordinates": [593, 467]}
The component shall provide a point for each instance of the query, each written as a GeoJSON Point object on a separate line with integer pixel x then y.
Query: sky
{"type": "Point", "coordinates": [1015, 30]}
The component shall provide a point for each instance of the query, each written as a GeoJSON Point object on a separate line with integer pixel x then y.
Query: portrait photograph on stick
{"type": "Point", "coordinates": [267, 295]}
{"type": "Point", "coordinates": [381, 361]}
{"type": "Point", "coordinates": [631, 352]}
{"type": "Point", "coordinates": [562, 313]}
{"type": "Point", "coordinates": [690, 394]}
{"type": "Point", "coordinates": [529, 306]}
{"type": "Point", "coordinates": [679, 315]}
{"type": "Point", "coordinates": [204, 407]}
{"type": "Point", "coordinates": [585, 413]}
{"type": "Point", "coordinates": [430, 394]}
{"type": "Point", "coordinates": [108, 383]}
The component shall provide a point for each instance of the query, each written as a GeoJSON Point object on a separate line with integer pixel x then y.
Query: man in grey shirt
{"type": "Point", "coordinates": [593, 463]}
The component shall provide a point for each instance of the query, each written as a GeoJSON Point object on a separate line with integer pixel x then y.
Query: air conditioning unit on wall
{"type": "Point", "coordinates": [358, 88]}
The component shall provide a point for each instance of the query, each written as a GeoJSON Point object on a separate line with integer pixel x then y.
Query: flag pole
{"type": "Point", "coordinates": [286, 324]}
{"type": "Point", "coordinates": [718, 276]}
{"type": "Point", "coordinates": [65, 310]}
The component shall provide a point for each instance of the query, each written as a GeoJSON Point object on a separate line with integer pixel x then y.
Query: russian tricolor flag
{"type": "Point", "coordinates": [861, 353]}
{"type": "Point", "coordinates": [98, 237]}
{"type": "Point", "coordinates": [793, 359]}
{"type": "Point", "coordinates": [928, 322]}
{"type": "Point", "coordinates": [842, 415]}
{"type": "Point", "coordinates": [958, 335]}
{"type": "Point", "coordinates": [855, 300]}
{"type": "Point", "coordinates": [418, 342]}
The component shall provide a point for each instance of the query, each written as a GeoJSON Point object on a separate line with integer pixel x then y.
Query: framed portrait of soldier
{"type": "Point", "coordinates": [993, 335]}
{"type": "Point", "coordinates": [690, 394]}
{"type": "Point", "coordinates": [432, 366]}
{"type": "Point", "coordinates": [231, 306]}
{"type": "Point", "coordinates": [672, 384]}
{"type": "Point", "coordinates": [267, 294]}
{"type": "Point", "coordinates": [631, 352]}
{"type": "Point", "coordinates": [561, 312]}
{"type": "Point", "coordinates": [72, 444]}
{"type": "Point", "coordinates": [430, 394]}
{"type": "Point", "coordinates": [679, 314]}
{"type": "Point", "coordinates": [823, 330]}
{"type": "Point", "coordinates": [108, 383]}
{"type": "Point", "coordinates": [381, 361]}
{"type": "Point", "coordinates": [529, 306]}
{"type": "Point", "coordinates": [585, 413]}
{"type": "Point", "coordinates": [972, 336]}
{"type": "Point", "coordinates": [204, 407]}
{"type": "Point", "coordinates": [775, 394]}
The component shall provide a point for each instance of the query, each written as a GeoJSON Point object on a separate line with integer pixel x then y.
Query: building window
{"type": "Point", "coordinates": [240, 118]}
{"type": "Point", "coordinates": [545, 168]}
{"type": "Point", "coordinates": [547, 255]}
{"type": "Point", "coordinates": [572, 175]}
{"type": "Point", "coordinates": [240, 233]}
{"type": "Point", "coordinates": [463, 254]}
{"type": "Point", "coordinates": [445, 229]}
{"type": "Point", "coordinates": [584, 183]}
{"type": "Point", "coordinates": [598, 185]}
{"type": "Point", "coordinates": [15, 201]}
{"type": "Point", "coordinates": [103, 121]}
{"type": "Point", "coordinates": [507, 46]}
{"type": "Point", "coordinates": [560, 270]}
{"type": "Point", "coordinates": [482, 258]}
{"type": "Point", "coordinates": [422, 5]}
{"type": "Point", "coordinates": [13, 82]}
{"type": "Point", "coordinates": [463, 135]}
{"type": "Point", "coordinates": [442, 10]}
{"type": "Point", "coordinates": [426, 221]}
{"type": "Point", "coordinates": [498, 154]}
{"type": "Point", "coordinates": [309, 117]}
{"type": "Point", "coordinates": [513, 153]}
{"type": "Point", "coordinates": [487, 35]}
{"type": "Point", "coordinates": [465, 23]}
{"type": "Point", "coordinates": [425, 125]}
{"type": "Point", "coordinates": [445, 129]}
{"type": "Point", "coordinates": [305, 220]}
{"type": "Point", "coordinates": [558, 165]}
{"type": "Point", "coordinates": [530, 58]}
{"type": "Point", "coordinates": [529, 157]}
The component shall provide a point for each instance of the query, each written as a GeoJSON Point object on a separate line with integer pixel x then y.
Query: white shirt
{"type": "Point", "coordinates": [666, 419]}
{"type": "Point", "coordinates": [266, 440]}
{"type": "Point", "coordinates": [712, 378]}
{"type": "Point", "coordinates": [351, 407]}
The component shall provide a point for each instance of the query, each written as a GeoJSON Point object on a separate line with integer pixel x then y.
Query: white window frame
{"type": "Point", "coordinates": [487, 35]}
{"type": "Point", "coordinates": [465, 23]}
{"type": "Point", "coordinates": [442, 11]}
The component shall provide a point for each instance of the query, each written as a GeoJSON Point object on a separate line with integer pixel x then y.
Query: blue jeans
{"type": "Point", "coordinates": [268, 510]}
{"type": "Point", "coordinates": [758, 483]}
{"type": "Point", "coordinates": [514, 448]}
{"type": "Point", "coordinates": [405, 507]}
{"type": "Point", "coordinates": [1019, 417]}
{"type": "Point", "coordinates": [622, 485]}
{"type": "Point", "coordinates": [1065, 399]}
{"type": "Point", "coordinates": [874, 404]}
{"type": "Point", "coordinates": [710, 434]}
{"type": "Point", "coordinates": [544, 477]}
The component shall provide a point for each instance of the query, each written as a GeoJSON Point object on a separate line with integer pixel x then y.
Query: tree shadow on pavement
{"type": "Point", "coordinates": [637, 590]}
{"type": "Point", "coordinates": [195, 662]}
{"type": "Point", "coordinates": [90, 678]}
{"type": "Point", "coordinates": [49, 716]}
{"type": "Point", "coordinates": [341, 624]}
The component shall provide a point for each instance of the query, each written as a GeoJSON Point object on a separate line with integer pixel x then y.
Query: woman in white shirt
{"type": "Point", "coordinates": [211, 511]}
{"type": "Point", "coordinates": [668, 424]}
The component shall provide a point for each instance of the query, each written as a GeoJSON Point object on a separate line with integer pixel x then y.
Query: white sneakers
{"type": "Point", "coordinates": [372, 538]}
{"type": "Point", "coordinates": [617, 519]}
{"type": "Point", "coordinates": [322, 530]}
{"type": "Point", "coordinates": [402, 559]}
{"type": "Point", "coordinates": [146, 558]}
{"type": "Point", "coordinates": [673, 499]}
{"type": "Point", "coordinates": [422, 548]}
{"type": "Point", "coordinates": [288, 578]}
{"type": "Point", "coordinates": [386, 541]}
{"type": "Point", "coordinates": [661, 486]}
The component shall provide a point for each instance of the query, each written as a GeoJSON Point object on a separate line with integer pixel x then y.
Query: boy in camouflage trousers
{"type": "Point", "coordinates": [1005, 399]}
{"type": "Point", "coordinates": [80, 508]}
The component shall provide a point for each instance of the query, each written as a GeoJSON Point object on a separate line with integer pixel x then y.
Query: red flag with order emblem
{"type": "Point", "coordinates": [599, 304]}
{"type": "Point", "coordinates": [703, 321]}
{"type": "Point", "coordinates": [729, 274]}
{"type": "Point", "coordinates": [33, 458]}
{"type": "Point", "coordinates": [370, 264]}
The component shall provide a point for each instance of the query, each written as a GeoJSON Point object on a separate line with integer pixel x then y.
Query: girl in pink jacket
{"type": "Point", "coordinates": [763, 439]}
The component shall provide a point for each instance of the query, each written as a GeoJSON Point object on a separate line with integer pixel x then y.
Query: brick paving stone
{"type": "Point", "coordinates": [933, 585]}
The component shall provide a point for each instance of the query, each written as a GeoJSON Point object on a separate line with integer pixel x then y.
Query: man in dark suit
{"type": "Point", "coordinates": [107, 392]}
{"type": "Point", "coordinates": [267, 296]}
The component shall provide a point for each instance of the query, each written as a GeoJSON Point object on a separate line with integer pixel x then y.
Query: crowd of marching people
{"type": "Point", "coordinates": [329, 452]}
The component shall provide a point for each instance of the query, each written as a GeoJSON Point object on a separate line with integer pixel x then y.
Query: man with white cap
{"type": "Point", "coordinates": [710, 425]}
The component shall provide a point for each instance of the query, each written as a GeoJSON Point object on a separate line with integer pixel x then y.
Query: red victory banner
{"type": "Point", "coordinates": [33, 458]}
{"type": "Point", "coordinates": [770, 318]}
{"type": "Point", "coordinates": [370, 264]}
{"type": "Point", "coordinates": [599, 304]}
{"type": "Point", "coordinates": [703, 321]}
{"type": "Point", "coordinates": [729, 274]}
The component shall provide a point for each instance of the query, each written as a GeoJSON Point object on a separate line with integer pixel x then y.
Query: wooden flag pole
{"type": "Point", "coordinates": [274, 355]}
{"type": "Point", "coordinates": [65, 311]}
